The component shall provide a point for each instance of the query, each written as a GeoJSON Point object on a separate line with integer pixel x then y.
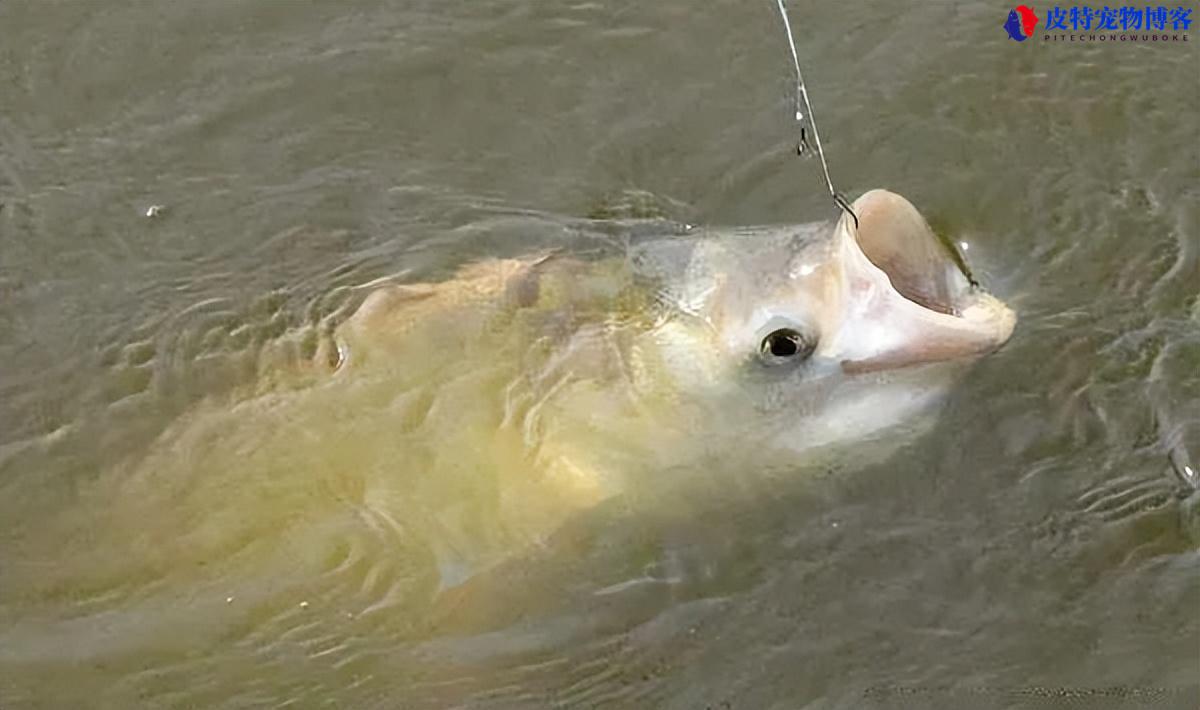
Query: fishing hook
{"type": "Point", "coordinates": [804, 113]}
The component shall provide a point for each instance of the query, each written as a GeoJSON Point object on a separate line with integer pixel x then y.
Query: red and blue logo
{"type": "Point", "coordinates": [1020, 23]}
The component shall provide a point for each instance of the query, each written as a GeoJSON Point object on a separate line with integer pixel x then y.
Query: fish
{"type": "Point", "coordinates": [453, 424]}
{"type": "Point", "coordinates": [777, 343]}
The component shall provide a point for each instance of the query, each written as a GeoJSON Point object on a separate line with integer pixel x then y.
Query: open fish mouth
{"type": "Point", "coordinates": [909, 295]}
{"type": "Point", "coordinates": [923, 268]}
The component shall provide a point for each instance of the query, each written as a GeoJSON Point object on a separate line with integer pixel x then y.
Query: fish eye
{"type": "Point", "coordinates": [786, 344]}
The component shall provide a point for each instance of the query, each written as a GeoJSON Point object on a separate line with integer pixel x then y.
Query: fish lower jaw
{"type": "Point", "coordinates": [992, 317]}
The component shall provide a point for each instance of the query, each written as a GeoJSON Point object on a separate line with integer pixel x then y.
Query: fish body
{"type": "Point", "coordinates": [742, 346]}
{"type": "Point", "coordinates": [464, 421]}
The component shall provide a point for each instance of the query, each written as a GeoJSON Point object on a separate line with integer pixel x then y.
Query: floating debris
{"type": "Point", "coordinates": [155, 211]}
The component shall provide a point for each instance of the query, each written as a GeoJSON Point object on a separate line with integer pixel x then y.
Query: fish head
{"type": "Point", "coordinates": [836, 332]}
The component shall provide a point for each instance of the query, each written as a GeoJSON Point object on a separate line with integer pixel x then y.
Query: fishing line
{"type": "Point", "coordinates": [805, 117]}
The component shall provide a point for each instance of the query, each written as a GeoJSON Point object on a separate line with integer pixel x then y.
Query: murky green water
{"type": "Point", "coordinates": [1041, 536]}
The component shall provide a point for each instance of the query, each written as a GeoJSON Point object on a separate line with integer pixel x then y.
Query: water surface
{"type": "Point", "coordinates": [1042, 535]}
